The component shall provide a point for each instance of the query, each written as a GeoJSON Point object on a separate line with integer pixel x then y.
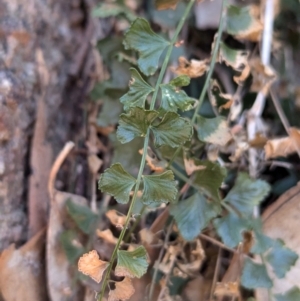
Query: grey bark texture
{"type": "Point", "coordinates": [43, 84]}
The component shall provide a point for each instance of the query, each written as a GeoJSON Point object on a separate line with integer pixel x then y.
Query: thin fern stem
{"type": "Point", "coordinates": [146, 143]}
{"type": "Point", "coordinates": [210, 72]}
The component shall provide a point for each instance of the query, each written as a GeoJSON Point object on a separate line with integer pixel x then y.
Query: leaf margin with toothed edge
{"type": "Point", "coordinates": [132, 263]}
{"type": "Point", "coordinates": [255, 275]}
{"type": "Point", "coordinates": [138, 92]}
{"type": "Point", "coordinates": [165, 134]}
{"type": "Point", "coordinates": [82, 215]}
{"type": "Point", "coordinates": [150, 45]}
{"type": "Point", "coordinates": [134, 124]}
{"type": "Point", "coordinates": [172, 99]}
{"type": "Point", "coordinates": [193, 214]}
{"type": "Point", "coordinates": [159, 188]}
{"type": "Point", "coordinates": [110, 182]}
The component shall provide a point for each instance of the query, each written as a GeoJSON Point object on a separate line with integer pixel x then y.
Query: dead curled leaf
{"type": "Point", "coordinates": [115, 218]}
{"type": "Point", "coordinates": [227, 289]}
{"type": "Point", "coordinates": [283, 147]}
{"type": "Point", "coordinates": [146, 236]}
{"type": "Point", "coordinates": [90, 264]}
{"type": "Point", "coordinates": [190, 166]}
{"type": "Point", "coordinates": [153, 162]}
{"type": "Point", "coordinates": [263, 76]}
{"type": "Point", "coordinates": [253, 32]}
{"type": "Point", "coordinates": [259, 141]}
{"type": "Point", "coordinates": [107, 236]}
{"type": "Point", "coordinates": [239, 63]}
{"type": "Point", "coordinates": [123, 290]}
{"type": "Point", "coordinates": [191, 265]}
{"type": "Point", "coordinates": [24, 267]}
{"type": "Point", "coordinates": [165, 4]}
{"type": "Point", "coordinates": [193, 68]}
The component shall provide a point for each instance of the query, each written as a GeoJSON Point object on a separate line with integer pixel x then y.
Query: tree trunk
{"type": "Point", "coordinates": [44, 77]}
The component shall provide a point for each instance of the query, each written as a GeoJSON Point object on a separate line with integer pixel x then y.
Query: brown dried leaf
{"type": "Point", "coordinates": [227, 289]}
{"type": "Point", "coordinates": [179, 43]}
{"type": "Point", "coordinates": [259, 141]}
{"type": "Point", "coordinates": [22, 275]}
{"type": "Point", "coordinates": [192, 265]}
{"type": "Point", "coordinates": [197, 289]}
{"type": "Point", "coordinates": [165, 4]}
{"type": "Point", "coordinates": [115, 218]}
{"type": "Point", "coordinates": [153, 162]}
{"type": "Point", "coordinates": [228, 104]}
{"type": "Point", "coordinates": [243, 76]}
{"type": "Point", "coordinates": [94, 163]}
{"type": "Point", "coordinates": [240, 59]}
{"type": "Point", "coordinates": [238, 63]}
{"type": "Point", "coordinates": [90, 264]}
{"type": "Point", "coordinates": [212, 152]}
{"type": "Point", "coordinates": [146, 236]}
{"type": "Point", "coordinates": [248, 242]}
{"type": "Point", "coordinates": [283, 147]}
{"type": "Point", "coordinates": [190, 166]}
{"type": "Point", "coordinates": [194, 68]}
{"type": "Point", "coordinates": [107, 236]}
{"type": "Point", "coordinates": [253, 33]}
{"type": "Point", "coordinates": [263, 76]}
{"type": "Point", "coordinates": [123, 291]}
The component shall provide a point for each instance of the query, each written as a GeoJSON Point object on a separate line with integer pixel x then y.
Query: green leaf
{"type": "Point", "coordinates": [281, 258]}
{"type": "Point", "coordinates": [168, 20]}
{"type": "Point", "coordinates": [132, 264]}
{"type": "Point", "coordinates": [126, 154]}
{"type": "Point", "coordinates": [174, 99]}
{"type": "Point", "coordinates": [159, 188]}
{"type": "Point", "coordinates": [193, 215]}
{"type": "Point", "coordinates": [138, 91]}
{"type": "Point", "coordinates": [82, 215]}
{"type": "Point", "coordinates": [230, 228]}
{"type": "Point", "coordinates": [180, 81]}
{"type": "Point", "coordinates": [236, 59]}
{"type": "Point", "coordinates": [106, 10]}
{"type": "Point", "coordinates": [71, 246]}
{"type": "Point", "coordinates": [110, 112]}
{"type": "Point", "coordinates": [210, 178]}
{"type": "Point", "coordinates": [117, 182]}
{"type": "Point", "coordinates": [255, 275]}
{"type": "Point", "coordinates": [247, 193]}
{"type": "Point", "coordinates": [261, 242]}
{"type": "Point", "coordinates": [213, 130]}
{"type": "Point", "coordinates": [291, 295]}
{"type": "Point", "coordinates": [134, 124]}
{"type": "Point", "coordinates": [172, 130]}
{"type": "Point", "coordinates": [150, 46]}
{"type": "Point", "coordinates": [241, 23]}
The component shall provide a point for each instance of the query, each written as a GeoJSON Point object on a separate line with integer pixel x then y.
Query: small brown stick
{"type": "Point", "coordinates": [216, 272]}
{"type": "Point", "coordinates": [167, 279]}
{"type": "Point", "coordinates": [56, 166]}
{"type": "Point", "coordinates": [161, 253]}
{"type": "Point", "coordinates": [217, 243]}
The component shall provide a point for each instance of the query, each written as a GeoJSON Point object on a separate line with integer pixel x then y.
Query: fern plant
{"type": "Point", "coordinates": [160, 124]}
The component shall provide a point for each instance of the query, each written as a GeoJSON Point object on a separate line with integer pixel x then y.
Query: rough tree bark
{"type": "Point", "coordinates": [43, 82]}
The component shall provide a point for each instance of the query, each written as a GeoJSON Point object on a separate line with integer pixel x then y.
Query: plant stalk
{"type": "Point", "coordinates": [212, 62]}
{"type": "Point", "coordinates": [146, 143]}
{"type": "Point", "coordinates": [169, 51]}
{"type": "Point", "coordinates": [209, 75]}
